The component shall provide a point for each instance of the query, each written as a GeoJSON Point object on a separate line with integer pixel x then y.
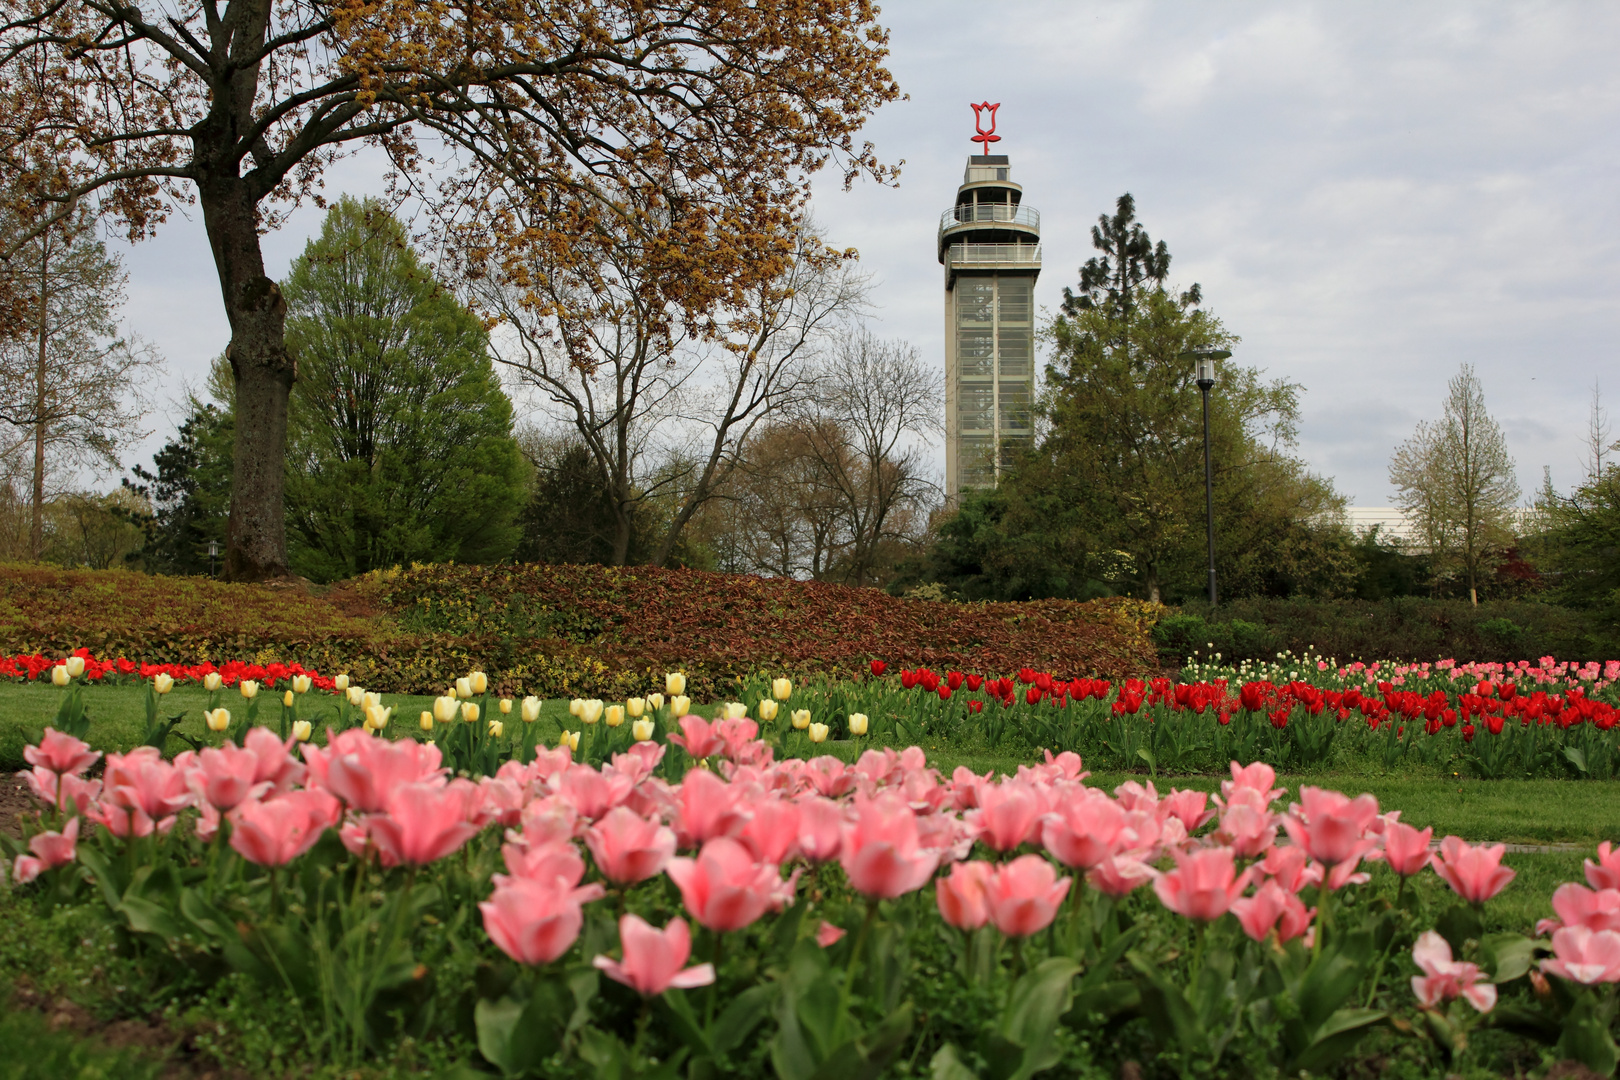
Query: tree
{"type": "Point", "coordinates": [1455, 480]}
{"type": "Point", "coordinates": [189, 494]}
{"type": "Point", "coordinates": [67, 378]}
{"type": "Point", "coordinates": [570, 516]}
{"type": "Point", "coordinates": [718, 112]}
{"type": "Point", "coordinates": [602, 349]}
{"type": "Point", "coordinates": [400, 436]}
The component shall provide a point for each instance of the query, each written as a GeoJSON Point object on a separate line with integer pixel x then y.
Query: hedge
{"type": "Point", "coordinates": [561, 630]}
{"type": "Point", "coordinates": [1402, 628]}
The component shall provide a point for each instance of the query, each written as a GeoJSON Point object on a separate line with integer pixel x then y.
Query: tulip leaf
{"type": "Point", "coordinates": [946, 1065]}
{"type": "Point", "coordinates": [739, 1019]}
{"type": "Point", "coordinates": [1586, 1037]}
{"type": "Point", "coordinates": [1166, 1008]}
{"type": "Point", "coordinates": [1033, 1008]}
{"type": "Point", "coordinates": [1335, 1037]}
{"type": "Point", "coordinates": [1507, 956]}
{"type": "Point", "coordinates": [1457, 924]}
{"type": "Point", "coordinates": [515, 1036]}
{"type": "Point", "coordinates": [146, 917]}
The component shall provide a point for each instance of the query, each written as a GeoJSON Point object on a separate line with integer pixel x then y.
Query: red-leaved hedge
{"type": "Point", "coordinates": [561, 630]}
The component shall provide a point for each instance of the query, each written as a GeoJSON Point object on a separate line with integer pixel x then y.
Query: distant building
{"type": "Point", "coordinates": [1392, 523]}
{"type": "Point", "coordinates": [989, 245]}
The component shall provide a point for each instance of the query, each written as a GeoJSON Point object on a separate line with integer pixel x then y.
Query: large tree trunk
{"type": "Point", "coordinates": [36, 525]}
{"type": "Point", "coordinates": [256, 545]}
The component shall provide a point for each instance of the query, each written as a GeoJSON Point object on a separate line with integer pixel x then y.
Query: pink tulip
{"type": "Point", "coordinates": [593, 793]}
{"type": "Point", "coordinates": [277, 831]}
{"type": "Point", "coordinates": [829, 776]}
{"type": "Point", "coordinates": [1024, 896]}
{"type": "Point", "coordinates": [707, 807]}
{"type": "Point", "coordinates": [960, 895]}
{"type": "Point", "coordinates": [1405, 848]}
{"type": "Point", "coordinates": [76, 793]}
{"type": "Point", "coordinates": [61, 753]}
{"type": "Point", "coordinates": [821, 829]}
{"type": "Point", "coordinates": [1009, 814]}
{"type": "Point", "coordinates": [1068, 765]}
{"type": "Point", "coordinates": [1257, 777]}
{"type": "Point", "coordinates": [1577, 905]}
{"type": "Point", "coordinates": [142, 780]}
{"type": "Point", "coordinates": [881, 853]}
{"type": "Point", "coordinates": [1248, 829]}
{"type": "Point", "coordinates": [965, 784]}
{"type": "Point", "coordinates": [535, 922]}
{"type": "Point", "coordinates": [1119, 875]}
{"type": "Point", "coordinates": [1203, 884]}
{"type": "Point", "coordinates": [1187, 807]}
{"type": "Point", "coordinates": [277, 766]}
{"type": "Point", "coordinates": [724, 888]}
{"type": "Point", "coordinates": [735, 735]}
{"type": "Point", "coordinates": [1585, 956]}
{"type": "Point", "coordinates": [1331, 827]}
{"type": "Point", "coordinates": [1290, 868]}
{"type": "Point", "coordinates": [1475, 873]}
{"type": "Point", "coordinates": [1084, 831]}
{"type": "Point", "coordinates": [550, 818]}
{"type": "Point", "coordinates": [697, 738]}
{"type": "Point", "coordinates": [1270, 907]}
{"type": "Point", "coordinates": [224, 777]}
{"type": "Point", "coordinates": [1605, 873]}
{"type": "Point", "coordinates": [772, 834]}
{"type": "Point", "coordinates": [628, 848]}
{"type": "Point", "coordinates": [653, 958]}
{"type": "Point", "coordinates": [50, 850]}
{"type": "Point", "coordinates": [1444, 979]}
{"type": "Point", "coordinates": [121, 822]}
{"type": "Point", "coordinates": [828, 935]}
{"type": "Point", "coordinates": [422, 822]}
{"type": "Point", "coordinates": [1133, 796]}
{"type": "Point", "coordinates": [364, 770]}
{"type": "Point", "coordinates": [545, 862]}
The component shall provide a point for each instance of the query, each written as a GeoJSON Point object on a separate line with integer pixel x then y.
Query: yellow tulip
{"type": "Point", "coordinates": [368, 699]}
{"type": "Point", "coordinates": [734, 710]}
{"type": "Point", "coordinates": [680, 705]}
{"type": "Point", "coordinates": [505, 706]}
{"type": "Point", "coordinates": [469, 711]}
{"type": "Point", "coordinates": [642, 730]}
{"type": "Point", "coordinates": [302, 730]}
{"type": "Point", "coordinates": [464, 688]}
{"type": "Point", "coordinates": [801, 718]}
{"type": "Point", "coordinates": [613, 716]}
{"type": "Point", "coordinates": [675, 683]}
{"type": "Point", "coordinates": [356, 696]}
{"type": "Point", "coordinates": [212, 681]}
{"type": "Point", "coordinates": [75, 666]}
{"type": "Point", "coordinates": [426, 721]}
{"type": "Point", "coordinates": [218, 719]}
{"type": "Point", "coordinates": [655, 702]}
{"type": "Point", "coordinates": [445, 708]}
{"type": "Point", "coordinates": [377, 716]}
{"type": "Point", "coordinates": [531, 709]}
{"type": "Point", "coordinates": [818, 733]}
{"type": "Point", "coordinates": [857, 723]}
{"type": "Point", "coordinates": [591, 711]}
{"type": "Point", "coordinates": [635, 707]}
{"type": "Point", "coordinates": [60, 676]}
{"type": "Point", "coordinates": [569, 739]}
{"type": "Point", "coordinates": [495, 729]}
{"type": "Point", "coordinates": [781, 689]}
{"type": "Point", "coordinates": [288, 698]}
{"type": "Point", "coordinates": [479, 682]}
{"type": "Point", "coordinates": [576, 707]}
{"type": "Point", "coordinates": [301, 684]}
{"type": "Point", "coordinates": [162, 683]}
{"type": "Point", "coordinates": [767, 710]}
{"type": "Point", "coordinates": [249, 688]}
{"type": "Point", "coordinates": [341, 684]}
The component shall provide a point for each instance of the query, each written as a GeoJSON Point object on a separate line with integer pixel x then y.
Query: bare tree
{"type": "Point", "coordinates": [1456, 481]}
{"type": "Point", "coordinates": [613, 363]}
{"type": "Point", "coordinates": [69, 381]}
{"type": "Point", "coordinates": [1597, 443]}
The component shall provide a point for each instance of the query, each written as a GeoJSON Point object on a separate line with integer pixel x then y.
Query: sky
{"type": "Point", "coordinates": [1370, 195]}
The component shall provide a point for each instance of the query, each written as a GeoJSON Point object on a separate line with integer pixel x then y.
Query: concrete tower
{"type": "Point", "coordinates": [989, 244]}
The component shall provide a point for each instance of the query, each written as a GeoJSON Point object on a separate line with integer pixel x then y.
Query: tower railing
{"type": "Point", "coordinates": [979, 254]}
{"type": "Point", "coordinates": [1017, 214]}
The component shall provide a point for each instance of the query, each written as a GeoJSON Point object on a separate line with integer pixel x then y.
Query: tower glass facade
{"type": "Point", "coordinates": [989, 246]}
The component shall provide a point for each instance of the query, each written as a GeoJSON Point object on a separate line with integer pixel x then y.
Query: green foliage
{"type": "Point", "coordinates": [1404, 628]}
{"type": "Point", "coordinates": [400, 440]}
{"type": "Point", "coordinates": [1580, 542]}
{"type": "Point", "coordinates": [190, 493]}
{"type": "Point", "coordinates": [569, 516]}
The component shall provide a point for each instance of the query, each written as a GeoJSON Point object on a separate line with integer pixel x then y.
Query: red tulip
{"type": "Point", "coordinates": [879, 667]}
{"type": "Point", "coordinates": [653, 959]}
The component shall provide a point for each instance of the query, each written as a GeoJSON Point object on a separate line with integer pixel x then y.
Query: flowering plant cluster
{"type": "Point", "coordinates": [31, 667]}
{"type": "Point", "coordinates": [687, 899]}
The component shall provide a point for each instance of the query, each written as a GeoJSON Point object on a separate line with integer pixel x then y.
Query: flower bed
{"type": "Point", "coordinates": [549, 906]}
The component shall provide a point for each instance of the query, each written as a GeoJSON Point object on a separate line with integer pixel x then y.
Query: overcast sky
{"type": "Point", "coordinates": [1370, 194]}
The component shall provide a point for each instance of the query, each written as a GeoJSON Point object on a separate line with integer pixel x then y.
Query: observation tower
{"type": "Point", "coordinates": [989, 245]}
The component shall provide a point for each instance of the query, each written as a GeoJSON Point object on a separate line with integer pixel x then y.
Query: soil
{"type": "Point", "coordinates": [151, 1037]}
{"type": "Point", "coordinates": [15, 800]}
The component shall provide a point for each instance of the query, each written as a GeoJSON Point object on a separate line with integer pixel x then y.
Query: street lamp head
{"type": "Point", "coordinates": [1205, 356]}
{"type": "Point", "coordinates": [213, 548]}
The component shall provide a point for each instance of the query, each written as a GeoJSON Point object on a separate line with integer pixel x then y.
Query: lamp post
{"type": "Point", "coordinates": [213, 545]}
{"type": "Point", "coordinates": [1205, 357]}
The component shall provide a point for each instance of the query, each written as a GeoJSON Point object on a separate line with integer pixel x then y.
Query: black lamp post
{"type": "Point", "coordinates": [1205, 356]}
{"type": "Point", "coordinates": [213, 545]}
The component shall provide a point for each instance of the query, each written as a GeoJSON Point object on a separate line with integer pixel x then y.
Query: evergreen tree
{"type": "Point", "coordinates": [189, 493]}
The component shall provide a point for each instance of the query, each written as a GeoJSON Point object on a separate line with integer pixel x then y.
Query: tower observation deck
{"type": "Point", "coordinates": [989, 246]}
